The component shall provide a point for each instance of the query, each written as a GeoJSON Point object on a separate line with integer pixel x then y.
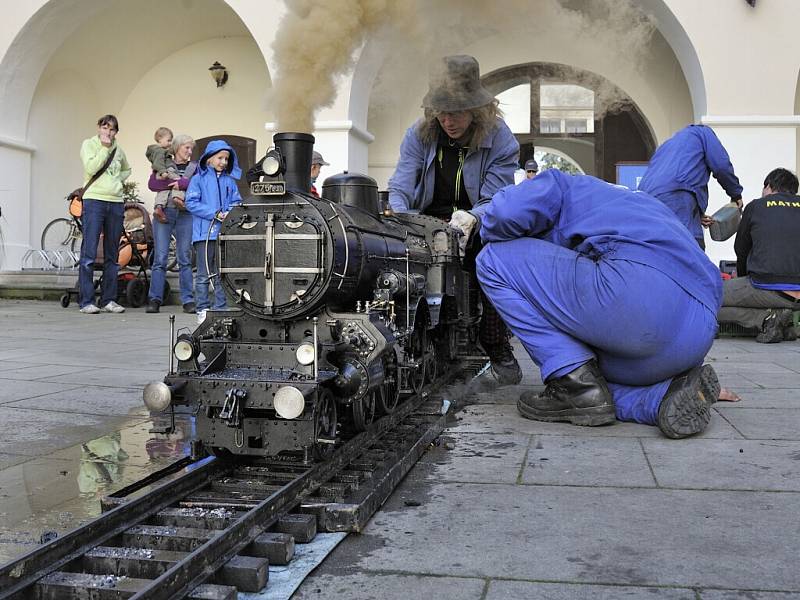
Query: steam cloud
{"type": "Point", "coordinates": [317, 40]}
{"type": "Point", "coordinates": [315, 44]}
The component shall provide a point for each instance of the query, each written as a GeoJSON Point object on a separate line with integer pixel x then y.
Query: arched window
{"type": "Point", "coordinates": [580, 116]}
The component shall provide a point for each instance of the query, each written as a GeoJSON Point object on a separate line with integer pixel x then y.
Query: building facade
{"type": "Point", "coordinates": [573, 77]}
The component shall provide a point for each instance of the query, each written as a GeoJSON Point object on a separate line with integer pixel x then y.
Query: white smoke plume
{"type": "Point", "coordinates": [317, 40]}
{"type": "Point", "coordinates": [315, 44]}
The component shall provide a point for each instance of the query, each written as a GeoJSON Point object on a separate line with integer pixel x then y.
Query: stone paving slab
{"type": "Point", "coordinates": [725, 464]}
{"type": "Point", "coordinates": [517, 590]}
{"type": "Point", "coordinates": [569, 460]}
{"type": "Point", "coordinates": [640, 537]}
{"type": "Point", "coordinates": [40, 432]}
{"type": "Point", "coordinates": [746, 595]}
{"type": "Point", "coordinates": [90, 401]}
{"type": "Point", "coordinates": [475, 459]}
{"type": "Point", "coordinates": [759, 398]}
{"type": "Point", "coordinates": [12, 390]}
{"type": "Point", "coordinates": [132, 378]}
{"type": "Point", "coordinates": [390, 587]}
{"type": "Point", "coordinates": [32, 372]}
{"type": "Point", "coordinates": [761, 424]}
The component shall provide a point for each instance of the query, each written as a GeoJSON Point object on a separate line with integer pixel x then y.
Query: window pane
{"type": "Point", "coordinates": [576, 126]}
{"type": "Point", "coordinates": [550, 126]}
{"type": "Point", "coordinates": [515, 103]}
{"type": "Point", "coordinates": [571, 103]}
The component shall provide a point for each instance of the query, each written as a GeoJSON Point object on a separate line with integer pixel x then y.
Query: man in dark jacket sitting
{"type": "Point", "coordinates": [767, 246]}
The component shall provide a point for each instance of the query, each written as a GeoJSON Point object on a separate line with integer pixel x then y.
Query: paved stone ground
{"type": "Point", "coordinates": [504, 508]}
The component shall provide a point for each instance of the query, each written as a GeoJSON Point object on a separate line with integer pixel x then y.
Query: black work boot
{"type": "Point", "coordinates": [776, 323]}
{"type": "Point", "coordinates": [505, 367]}
{"type": "Point", "coordinates": [190, 308]}
{"type": "Point", "coordinates": [153, 306]}
{"type": "Point", "coordinates": [581, 397]}
{"type": "Point", "coordinates": [686, 407]}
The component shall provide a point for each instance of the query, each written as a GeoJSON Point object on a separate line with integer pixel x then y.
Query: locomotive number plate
{"type": "Point", "coordinates": [268, 188]}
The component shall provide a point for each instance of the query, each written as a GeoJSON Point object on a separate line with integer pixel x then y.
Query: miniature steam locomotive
{"type": "Point", "coordinates": [337, 312]}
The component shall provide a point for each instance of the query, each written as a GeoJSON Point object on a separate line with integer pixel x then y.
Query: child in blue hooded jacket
{"type": "Point", "coordinates": [211, 194]}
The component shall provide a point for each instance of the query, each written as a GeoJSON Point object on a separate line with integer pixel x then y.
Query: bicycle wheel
{"type": "Point", "coordinates": [61, 235]}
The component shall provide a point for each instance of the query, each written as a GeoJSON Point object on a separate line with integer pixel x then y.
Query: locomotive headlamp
{"type": "Point", "coordinates": [305, 353]}
{"type": "Point", "coordinates": [157, 396]}
{"type": "Point", "coordinates": [184, 348]}
{"type": "Point", "coordinates": [289, 402]}
{"type": "Point", "coordinates": [271, 165]}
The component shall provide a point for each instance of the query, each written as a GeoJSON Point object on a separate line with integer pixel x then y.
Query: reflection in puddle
{"type": "Point", "coordinates": [53, 494]}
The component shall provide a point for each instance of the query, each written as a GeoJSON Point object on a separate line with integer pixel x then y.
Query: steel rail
{"type": "Point", "coordinates": [22, 573]}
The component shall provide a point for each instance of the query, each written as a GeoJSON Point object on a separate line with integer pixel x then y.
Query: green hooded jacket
{"type": "Point", "coordinates": [109, 186]}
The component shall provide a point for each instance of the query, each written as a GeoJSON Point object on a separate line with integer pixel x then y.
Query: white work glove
{"type": "Point", "coordinates": [464, 222]}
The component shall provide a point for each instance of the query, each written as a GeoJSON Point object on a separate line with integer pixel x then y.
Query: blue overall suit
{"type": "Point", "coordinates": [679, 172]}
{"type": "Point", "coordinates": [581, 269]}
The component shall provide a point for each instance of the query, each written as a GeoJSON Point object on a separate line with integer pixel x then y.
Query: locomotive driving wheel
{"type": "Point", "coordinates": [324, 425]}
{"type": "Point", "coordinates": [431, 360]}
{"type": "Point", "coordinates": [416, 352]}
{"type": "Point", "coordinates": [386, 401]}
{"type": "Point", "coordinates": [364, 410]}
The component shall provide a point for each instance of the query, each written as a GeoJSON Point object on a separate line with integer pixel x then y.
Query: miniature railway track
{"type": "Point", "coordinates": [213, 530]}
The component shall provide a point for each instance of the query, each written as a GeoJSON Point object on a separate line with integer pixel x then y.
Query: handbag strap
{"type": "Point", "coordinates": [102, 170]}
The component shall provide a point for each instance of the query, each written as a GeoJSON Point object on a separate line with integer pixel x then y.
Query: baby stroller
{"type": "Point", "coordinates": [135, 249]}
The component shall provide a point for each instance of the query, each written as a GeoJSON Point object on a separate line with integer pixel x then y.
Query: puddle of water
{"type": "Point", "coordinates": [58, 492]}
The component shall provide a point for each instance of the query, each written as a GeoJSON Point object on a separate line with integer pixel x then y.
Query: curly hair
{"type": "Point", "coordinates": [484, 120]}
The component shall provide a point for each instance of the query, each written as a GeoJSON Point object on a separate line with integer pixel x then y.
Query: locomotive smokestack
{"type": "Point", "coordinates": [297, 150]}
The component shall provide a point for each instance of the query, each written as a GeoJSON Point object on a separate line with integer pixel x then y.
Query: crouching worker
{"type": "Point", "coordinates": [452, 161]}
{"type": "Point", "coordinates": [610, 295]}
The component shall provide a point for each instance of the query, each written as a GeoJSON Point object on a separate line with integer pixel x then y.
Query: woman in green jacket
{"type": "Point", "coordinates": [103, 212]}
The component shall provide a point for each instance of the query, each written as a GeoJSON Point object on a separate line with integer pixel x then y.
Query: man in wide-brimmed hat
{"type": "Point", "coordinates": [452, 161]}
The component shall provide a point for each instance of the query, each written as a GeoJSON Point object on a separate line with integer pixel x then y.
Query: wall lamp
{"type": "Point", "coordinates": [219, 73]}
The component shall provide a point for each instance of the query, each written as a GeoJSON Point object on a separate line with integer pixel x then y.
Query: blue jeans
{"type": "Point", "coordinates": [202, 279]}
{"type": "Point", "coordinates": [100, 216]}
{"type": "Point", "coordinates": [567, 309]}
{"type": "Point", "coordinates": [179, 222]}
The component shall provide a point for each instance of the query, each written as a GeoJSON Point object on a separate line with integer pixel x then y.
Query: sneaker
{"type": "Point", "coordinates": [201, 316]}
{"type": "Point", "coordinates": [686, 407]}
{"type": "Point", "coordinates": [189, 308]}
{"type": "Point", "coordinates": [580, 397]}
{"type": "Point", "coordinates": [113, 307]}
{"type": "Point", "coordinates": [90, 309]}
{"type": "Point", "coordinates": [774, 326]}
{"type": "Point", "coordinates": [505, 367]}
{"type": "Point", "coordinates": [153, 306]}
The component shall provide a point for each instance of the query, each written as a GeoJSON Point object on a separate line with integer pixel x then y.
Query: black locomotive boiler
{"type": "Point", "coordinates": [336, 313]}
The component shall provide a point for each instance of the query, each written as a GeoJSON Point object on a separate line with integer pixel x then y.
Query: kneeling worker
{"type": "Point", "coordinates": [612, 298]}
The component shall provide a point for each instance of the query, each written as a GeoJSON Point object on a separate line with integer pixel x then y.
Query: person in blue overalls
{"type": "Point", "coordinates": [679, 171]}
{"type": "Point", "coordinates": [612, 298]}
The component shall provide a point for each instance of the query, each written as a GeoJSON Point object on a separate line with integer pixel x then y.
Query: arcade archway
{"type": "Point", "coordinates": [573, 111]}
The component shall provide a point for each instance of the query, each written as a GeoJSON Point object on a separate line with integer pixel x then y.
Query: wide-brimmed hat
{"type": "Point", "coordinates": [455, 85]}
{"type": "Point", "coordinates": [316, 159]}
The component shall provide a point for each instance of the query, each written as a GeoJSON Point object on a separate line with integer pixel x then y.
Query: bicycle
{"type": "Point", "coordinates": [61, 242]}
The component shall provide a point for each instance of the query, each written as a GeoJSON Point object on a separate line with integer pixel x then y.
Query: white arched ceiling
{"type": "Point", "coordinates": [685, 52]}
{"type": "Point", "coordinates": [119, 41]}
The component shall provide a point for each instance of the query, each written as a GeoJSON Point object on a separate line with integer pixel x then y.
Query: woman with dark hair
{"type": "Point", "coordinates": [452, 161]}
{"type": "Point", "coordinates": [177, 220]}
{"type": "Point", "coordinates": [103, 212]}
